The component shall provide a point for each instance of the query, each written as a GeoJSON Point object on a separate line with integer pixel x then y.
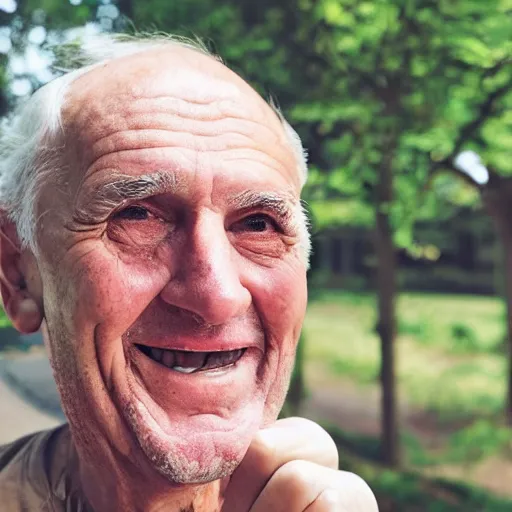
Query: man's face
{"type": "Point", "coordinates": [173, 277]}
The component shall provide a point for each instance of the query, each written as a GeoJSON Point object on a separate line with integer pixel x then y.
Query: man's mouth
{"type": "Point", "coordinates": [189, 362]}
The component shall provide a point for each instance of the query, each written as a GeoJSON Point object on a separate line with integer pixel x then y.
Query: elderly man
{"type": "Point", "coordinates": [152, 229]}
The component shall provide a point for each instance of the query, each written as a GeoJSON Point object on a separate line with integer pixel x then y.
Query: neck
{"type": "Point", "coordinates": [108, 486]}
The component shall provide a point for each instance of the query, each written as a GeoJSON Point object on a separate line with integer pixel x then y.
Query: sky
{"type": "Point", "coordinates": [35, 61]}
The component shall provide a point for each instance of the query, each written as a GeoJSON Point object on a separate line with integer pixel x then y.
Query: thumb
{"type": "Point", "coordinates": [286, 440]}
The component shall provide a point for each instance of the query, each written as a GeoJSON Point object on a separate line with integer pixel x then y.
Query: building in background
{"type": "Point", "coordinates": [456, 255]}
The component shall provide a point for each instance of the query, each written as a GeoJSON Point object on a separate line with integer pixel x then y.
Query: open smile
{"type": "Point", "coordinates": [184, 361]}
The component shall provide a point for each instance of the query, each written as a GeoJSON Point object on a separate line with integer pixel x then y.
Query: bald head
{"type": "Point", "coordinates": [180, 70]}
{"type": "Point", "coordinates": [170, 96]}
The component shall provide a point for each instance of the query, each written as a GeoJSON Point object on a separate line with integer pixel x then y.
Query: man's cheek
{"type": "Point", "coordinates": [280, 300]}
{"type": "Point", "coordinates": [112, 295]}
{"type": "Point", "coordinates": [280, 297]}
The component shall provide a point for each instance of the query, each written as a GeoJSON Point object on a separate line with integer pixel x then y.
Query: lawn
{"type": "Point", "coordinates": [451, 372]}
{"type": "Point", "coordinates": [450, 348]}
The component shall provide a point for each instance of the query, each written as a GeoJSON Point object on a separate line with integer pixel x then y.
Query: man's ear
{"type": "Point", "coordinates": [20, 282]}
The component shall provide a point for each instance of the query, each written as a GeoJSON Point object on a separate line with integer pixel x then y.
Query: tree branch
{"type": "Point", "coordinates": [448, 165]}
{"type": "Point", "coordinates": [483, 114]}
{"type": "Point", "coordinates": [471, 128]}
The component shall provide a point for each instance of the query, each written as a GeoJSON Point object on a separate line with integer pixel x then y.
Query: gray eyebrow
{"type": "Point", "coordinates": [281, 204]}
{"type": "Point", "coordinates": [137, 188]}
{"type": "Point", "coordinates": [108, 196]}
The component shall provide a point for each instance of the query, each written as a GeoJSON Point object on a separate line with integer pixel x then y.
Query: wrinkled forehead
{"type": "Point", "coordinates": [132, 92]}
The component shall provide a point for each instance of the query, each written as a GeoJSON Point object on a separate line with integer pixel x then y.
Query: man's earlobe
{"type": "Point", "coordinates": [20, 283]}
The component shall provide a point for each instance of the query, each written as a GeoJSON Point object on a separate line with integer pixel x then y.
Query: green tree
{"type": "Point", "coordinates": [411, 83]}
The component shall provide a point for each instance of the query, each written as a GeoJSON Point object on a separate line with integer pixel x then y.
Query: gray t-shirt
{"type": "Point", "coordinates": [36, 474]}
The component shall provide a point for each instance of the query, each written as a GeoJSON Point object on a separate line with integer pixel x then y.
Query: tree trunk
{"type": "Point", "coordinates": [497, 199]}
{"type": "Point", "coordinates": [507, 269]}
{"type": "Point", "coordinates": [297, 391]}
{"type": "Point", "coordinates": [386, 326]}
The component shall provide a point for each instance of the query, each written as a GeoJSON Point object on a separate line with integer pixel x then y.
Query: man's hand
{"type": "Point", "coordinates": [293, 467]}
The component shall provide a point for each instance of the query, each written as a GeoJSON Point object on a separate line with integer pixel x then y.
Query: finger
{"type": "Point", "coordinates": [310, 440]}
{"type": "Point", "coordinates": [304, 486]}
{"type": "Point", "coordinates": [328, 501]}
{"type": "Point", "coordinates": [292, 488]}
{"type": "Point", "coordinates": [287, 440]}
{"type": "Point", "coordinates": [331, 500]}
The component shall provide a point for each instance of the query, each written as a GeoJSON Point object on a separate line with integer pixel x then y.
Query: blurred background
{"type": "Point", "coordinates": [405, 107]}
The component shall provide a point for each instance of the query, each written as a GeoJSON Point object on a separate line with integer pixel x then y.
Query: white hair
{"type": "Point", "coordinates": [28, 139]}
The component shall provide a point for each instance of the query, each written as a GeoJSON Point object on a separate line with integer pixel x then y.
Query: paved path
{"type": "Point", "coordinates": [18, 417]}
{"type": "Point", "coordinates": [28, 398]}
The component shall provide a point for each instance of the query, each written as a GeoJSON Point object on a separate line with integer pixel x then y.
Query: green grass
{"type": "Point", "coordinates": [449, 348]}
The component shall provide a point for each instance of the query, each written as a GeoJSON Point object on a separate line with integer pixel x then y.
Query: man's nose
{"type": "Point", "coordinates": [207, 278]}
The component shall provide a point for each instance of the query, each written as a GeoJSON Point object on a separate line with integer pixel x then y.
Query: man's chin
{"type": "Point", "coordinates": [197, 451]}
{"type": "Point", "coordinates": [193, 428]}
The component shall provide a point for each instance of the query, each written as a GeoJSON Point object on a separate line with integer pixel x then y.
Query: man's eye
{"type": "Point", "coordinates": [133, 213]}
{"type": "Point", "coordinates": [259, 223]}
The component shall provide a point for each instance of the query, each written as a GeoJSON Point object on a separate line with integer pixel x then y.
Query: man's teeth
{"type": "Point", "coordinates": [186, 360]}
{"type": "Point", "coordinates": [181, 369]}
{"type": "Point", "coordinates": [167, 359]}
{"type": "Point", "coordinates": [156, 354]}
{"type": "Point", "coordinates": [189, 362]}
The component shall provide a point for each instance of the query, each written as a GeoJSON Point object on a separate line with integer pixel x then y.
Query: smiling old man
{"type": "Point", "coordinates": [152, 228]}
